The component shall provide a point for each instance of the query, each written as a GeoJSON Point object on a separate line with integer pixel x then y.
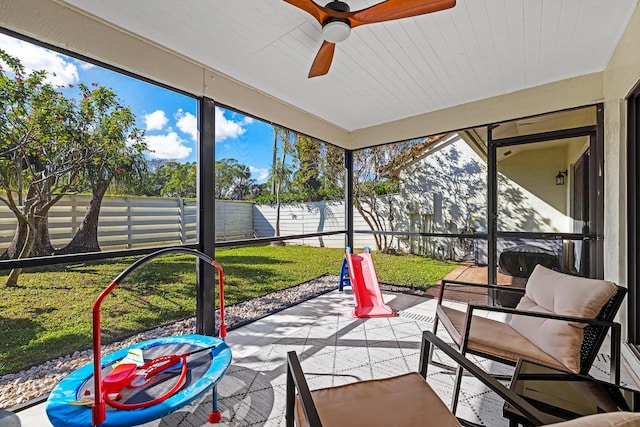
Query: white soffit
{"type": "Point", "coordinates": [386, 71]}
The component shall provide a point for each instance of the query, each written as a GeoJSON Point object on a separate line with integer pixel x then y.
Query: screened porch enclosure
{"type": "Point", "coordinates": [496, 165]}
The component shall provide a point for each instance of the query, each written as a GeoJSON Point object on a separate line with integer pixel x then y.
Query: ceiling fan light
{"type": "Point", "coordinates": [336, 31]}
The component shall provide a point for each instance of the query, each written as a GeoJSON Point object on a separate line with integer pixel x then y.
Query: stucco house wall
{"type": "Point", "coordinates": [544, 205]}
{"type": "Point", "coordinates": [528, 200]}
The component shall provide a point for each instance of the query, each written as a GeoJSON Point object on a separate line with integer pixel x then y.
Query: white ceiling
{"type": "Point", "coordinates": [385, 71]}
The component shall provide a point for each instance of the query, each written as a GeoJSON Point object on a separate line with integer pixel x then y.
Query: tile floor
{"type": "Point", "coordinates": [334, 348]}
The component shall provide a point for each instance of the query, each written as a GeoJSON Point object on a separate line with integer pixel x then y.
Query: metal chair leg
{"type": "Point", "coordinates": [431, 348]}
{"type": "Point", "coordinates": [290, 400]}
{"type": "Point", "coordinates": [426, 350]}
{"type": "Point", "coordinates": [456, 389]}
{"type": "Point", "coordinates": [614, 368]}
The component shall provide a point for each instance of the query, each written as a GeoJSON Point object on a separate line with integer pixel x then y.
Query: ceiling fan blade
{"type": "Point", "coordinates": [311, 8]}
{"type": "Point", "coordinates": [398, 9]}
{"type": "Point", "coordinates": [322, 63]}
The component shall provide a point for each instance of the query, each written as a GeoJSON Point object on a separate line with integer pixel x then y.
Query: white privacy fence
{"type": "Point", "coordinates": [305, 218]}
{"type": "Point", "coordinates": [136, 222]}
{"type": "Point", "coordinates": [125, 222]}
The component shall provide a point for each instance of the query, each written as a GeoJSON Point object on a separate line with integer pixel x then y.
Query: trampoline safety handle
{"type": "Point", "coordinates": [99, 409]}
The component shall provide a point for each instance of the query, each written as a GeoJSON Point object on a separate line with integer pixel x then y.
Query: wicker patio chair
{"type": "Point", "coordinates": [561, 321]}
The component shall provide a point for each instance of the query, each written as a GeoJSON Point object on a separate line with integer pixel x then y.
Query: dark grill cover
{"type": "Point", "coordinates": [520, 260]}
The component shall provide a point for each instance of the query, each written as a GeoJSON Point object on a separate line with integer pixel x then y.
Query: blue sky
{"type": "Point", "coordinates": [169, 118]}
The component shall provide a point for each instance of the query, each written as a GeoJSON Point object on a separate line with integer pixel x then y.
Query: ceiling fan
{"type": "Point", "coordinates": [337, 21]}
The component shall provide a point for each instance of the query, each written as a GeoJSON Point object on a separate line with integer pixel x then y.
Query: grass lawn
{"type": "Point", "coordinates": [49, 313]}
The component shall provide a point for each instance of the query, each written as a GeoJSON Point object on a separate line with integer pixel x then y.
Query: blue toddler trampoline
{"type": "Point", "coordinates": [147, 380]}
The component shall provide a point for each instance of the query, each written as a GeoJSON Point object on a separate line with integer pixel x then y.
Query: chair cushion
{"type": "Point", "coordinates": [404, 400]}
{"type": "Point", "coordinates": [492, 337]}
{"type": "Point", "coordinates": [551, 292]}
{"type": "Point", "coordinates": [610, 419]}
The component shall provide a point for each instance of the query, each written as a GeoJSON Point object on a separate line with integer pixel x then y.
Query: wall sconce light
{"type": "Point", "coordinates": [560, 177]}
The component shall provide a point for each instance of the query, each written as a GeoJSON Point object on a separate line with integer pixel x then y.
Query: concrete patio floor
{"type": "Point", "coordinates": [335, 348]}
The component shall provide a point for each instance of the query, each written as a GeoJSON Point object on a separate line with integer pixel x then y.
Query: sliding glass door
{"type": "Point", "coordinates": [546, 195]}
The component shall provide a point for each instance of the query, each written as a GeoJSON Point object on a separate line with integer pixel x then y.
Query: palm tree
{"type": "Point", "coordinates": [280, 172]}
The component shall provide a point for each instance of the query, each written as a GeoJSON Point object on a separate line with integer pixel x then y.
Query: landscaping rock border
{"type": "Point", "coordinates": [38, 381]}
{"type": "Point", "coordinates": [18, 388]}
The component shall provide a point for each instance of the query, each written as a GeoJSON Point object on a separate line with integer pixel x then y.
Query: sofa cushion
{"type": "Point", "coordinates": [405, 400]}
{"type": "Point", "coordinates": [551, 292]}
{"type": "Point", "coordinates": [492, 337]}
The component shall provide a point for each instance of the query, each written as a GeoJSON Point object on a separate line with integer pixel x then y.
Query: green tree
{"type": "Point", "coordinates": [162, 178]}
{"type": "Point", "coordinates": [115, 151]}
{"type": "Point", "coordinates": [233, 180]}
{"type": "Point", "coordinates": [369, 184]}
{"type": "Point", "coordinates": [40, 155]}
{"type": "Point", "coordinates": [148, 183]}
{"type": "Point", "coordinates": [283, 140]}
{"type": "Point", "coordinates": [313, 170]}
{"type": "Point", "coordinates": [245, 185]}
{"type": "Point", "coordinates": [306, 179]}
{"type": "Point", "coordinates": [332, 167]}
{"type": "Point", "coordinates": [303, 169]}
{"type": "Point", "coordinates": [179, 179]}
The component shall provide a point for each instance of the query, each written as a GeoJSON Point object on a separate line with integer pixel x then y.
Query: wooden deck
{"type": "Point", "coordinates": [469, 272]}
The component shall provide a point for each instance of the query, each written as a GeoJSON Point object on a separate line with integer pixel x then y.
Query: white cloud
{"type": "Point", "coordinates": [187, 123]}
{"type": "Point", "coordinates": [226, 128]}
{"type": "Point", "coordinates": [60, 71]}
{"type": "Point", "coordinates": [169, 146]}
{"type": "Point", "coordinates": [260, 174]}
{"type": "Point", "coordinates": [156, 120]}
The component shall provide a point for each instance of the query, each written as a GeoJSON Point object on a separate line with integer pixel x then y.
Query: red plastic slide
{"type": "Point", "coordinates": [365, 287]}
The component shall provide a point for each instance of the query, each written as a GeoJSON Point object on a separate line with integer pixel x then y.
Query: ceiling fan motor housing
{"type": "Point", "coordinates": [338, 6]}
{"type": "Point", "coordinates": [334, 29]}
